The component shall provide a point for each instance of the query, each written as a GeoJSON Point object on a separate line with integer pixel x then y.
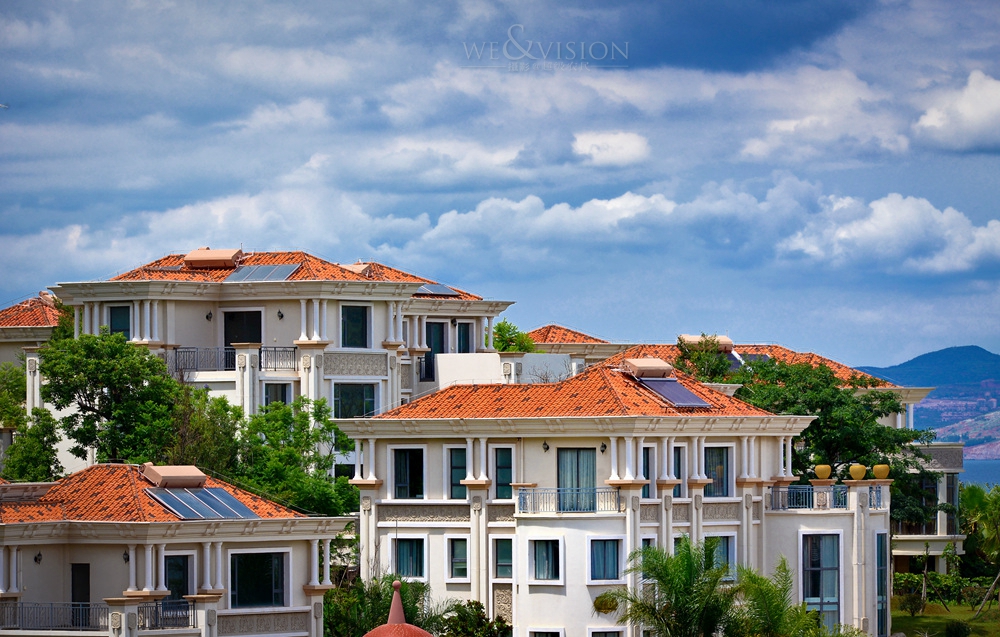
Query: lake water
{"type": "Point", "coordinates": [981, 472]}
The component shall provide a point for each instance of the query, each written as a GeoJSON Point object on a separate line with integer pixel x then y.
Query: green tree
{"type": "Point", "coordinates": [470, 620]}
{"type": "Point", "coordinates": [12, 394]}
{"type": "Point", "coordinates": [280, 455]}
{"type": "Point", "coordinates": [33, 456]}
{"type": "Point", "coordinates": [679, 595]}
{"type": "Point", "coordinates": [206, 432]}
{"type": "Point", "coordinates": [65, 327]}
{"type": "Point", "coordinates": [359, 607]}
{"type": "Point", "coordinates": [703, 360]}
{"type": "Point", "coordinates": [767, 607]}
{"type": "Point", "coordinates": [507, 338]}
{"type": "Point", "coordinates": [983, 509]}
{"type": "Point", "coordinates": [121, 395]}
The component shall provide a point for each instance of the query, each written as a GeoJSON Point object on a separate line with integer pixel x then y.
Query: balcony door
{"type": "Point", "coordinates": [242, 327]}
{"type": "Point", "coordinates": [576, 477]}
{"type": "Point", "coordinates": [436, 343]}
{"type": "Point", "coordinates": [80, 593]}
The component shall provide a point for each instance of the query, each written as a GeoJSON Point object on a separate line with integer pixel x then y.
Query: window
{"type": "Point", "coordinates": [605, 555]}
{"type": "Point", "coordinates": [178, 576]}
{"type": "Point", "coordinates": [576, 478]}
{"type": "Point", "coordinates": [456, 473]}
{"type": "Point", "coordinates": [821, 577]}
{"type": "Point", "coordinates": [545, 633]}
{"type": "Point", "coordinates": [458, 558]}
{"type": "Point", "coordinates": [465, 338]}
{"type": "Point", "coordinates": [503, 558]}
{"type": "Point", "coordinates": [724, 553]}
{"type": "Point", "coordinates": [353, 400]}
{"type": "Point", "coordinates": [256, 579]}
{"type": "Point", "coordinates": [717, 470]}
{"type": "Point", "coordinates": [277, 393]}
{"type": "Point", "coordinates": [882, 583]}
{"type": "Point", "coordinates": [436, 343]}
{"type": "Point", "coordinates": [241, 327]}
{"type": "Point", "coordinates": [120, 320]}
{"type": "Point", "coordinates": [679, 453]}
{"type": "Point", "coordinates": [648, 471]}
{"type": "Point", "coordinates": [951, 497]}
{"type": "Point", "coordinates": [545, 561]}
{"type": "Point", "coordinates": [649, 542]}
{"type": "Point", "coordinates": [410, 557]}
{"type": "Point", "coordinates": [354, 326]}
{"type": "Point", "coordinates": [606, 633]}
{"type": "Point", "coordinates": [408, 473]}
{"type": "Point", "coordinates": [503, 472]}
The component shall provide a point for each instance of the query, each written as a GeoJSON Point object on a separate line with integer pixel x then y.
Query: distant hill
{"type": "Point", "coordinates": [950, 366]}
{"type": "Point", "coordinates": [981, 430]}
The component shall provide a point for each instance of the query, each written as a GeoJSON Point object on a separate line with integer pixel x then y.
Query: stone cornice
{"type": "Point", "coordinates": [907, 395]}
{"type": "Point", "coordinates": [575, 426]}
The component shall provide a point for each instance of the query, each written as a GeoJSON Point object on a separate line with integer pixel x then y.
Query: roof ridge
{"type": "Point", "coordinates": [605, 374]}
{"type": "Point", "coordinates": [135, 493]}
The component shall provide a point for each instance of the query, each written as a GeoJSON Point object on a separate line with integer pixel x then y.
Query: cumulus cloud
{"type": "Point", "coordinates": [306, 112]}
{"type": "Point", "coordinates": [612, 148]}
{"type": "Point", "coordinates": [966, 119]}
{"type": "Point", "coordinates": [53, 32]}
{"type": "Point", "coordinates": [271, 65]}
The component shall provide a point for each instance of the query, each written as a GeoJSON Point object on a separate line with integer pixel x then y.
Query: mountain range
{"type": "Point", "coordinates": [950, 366]}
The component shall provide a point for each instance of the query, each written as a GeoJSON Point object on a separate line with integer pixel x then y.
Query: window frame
{"type": "Point", "coordinates": [391, 471]}
{"type": "Point", "coordinates": [472, 337]}
{"type": "Point", "coordinates": [369, 314]}
{"type": "Point", "coordinates": [493, 470]}
{"type": "Point", "coordinates": [335, 401]}
{"type": "Point", "coordinates": [221, 321]}
{"type": "Point", "coordinates": [290, 393]}
{"type": "Point", "coordinates": [561, 543]}
{"type": "Point", "coordinates": [494, 554]}
{"type": "Point", "coordinates": [650, 473]}
{"type": "Point", "coordinates": [194, 563]}
{"type": "Point", "coordinates": [449, 577]}
{"type": "Point", "coordinates": [730, 538]}
{"type": "Point", "coordinates": [680, 470]}
{"type": "Point", "coordinates": [591, 632]}
{"type": "Point", "coordinates": [839, 533]}
{"type": "Point", "coordinates": [447, 483]}
{"type": "Point", "coordinates": [131, 315]}
{"type": "Point", "coordinates": [288, 568]}
{"type": "Point", "coordinates": [620, 539]}
{"type": "Point", "coordinates": [730, 478]}
{"type": "Point", "coordinates": [883, 609]}
{"type": "Point", "coordinates": [534, 630]}
{"type": "Point", "coordinates": [394, 566]}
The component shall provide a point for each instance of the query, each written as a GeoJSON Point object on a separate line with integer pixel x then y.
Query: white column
{"type": "Point", "coordinates": [701, 458]}
{"type": "Point", "coordinates": [145, 321]}
{"type": "Point", "coordinates": [489, 333]}
{"type": "Point", "coordinates": [629, 459]}
{"type": "Point", "coordinates": [322, 321]}
{"type": "Point", "coordinates": [423, 331]}
{"type": "Point", "coordinates": [399, 320]}
{"type": "Point", "coordinates": [3, 571]}
{"type": "Point", "coordinates": [313, 562]}
{"type": "Point", "coordinates": [326, 562]}
{"type": "Point", "coordinates": [148, 567]}
{"type": "Point", "coordinates": [909, 415]}
{"type": "Point", "coordinates": [745, 454]}
{"type": "Point", "coordinates": [899, 420]}
{"type": "Point", "coordinates": [667, 464]}
{"type": "Point", "coordinates": [219, 584]}
{"type": "Point", "coordinates": [614, 458]}
{"type": "Point", "coordinates": [315, 316]}
{"type": "Point", "coordinates": [390, 322]}
{"type": "Point", "coordinates": [86, 318]}
{"type": "Point", "coordinates": [161, 567]}
{"type": "Point", "coordinates": [135, 327]}
{"type": "Point", "coordinates": [640, 473]}
{"type": "Point", "coordinates": [76, 321]}
{"type": "Point", "coordinates": [371, 459]}
{"type": "Point", "coordinates": [95, 323]}
{"type": "Point", "coordinates": [357, 459]}
{"type": "Point", "coordinates": [788, 457]}
{"type": "Point", "coordinates": [131, 567]}
{"type": "Point", "coordinates": [781, 456]}
{"type": "Point", "coordinates": [206, 565]}
{"type": "Point", "coordinates": [12, 578]}
{"type": "Point", "coordinates": [469, 473]}
{"type": "Point", "coordinates": [156, 321]}
{"type": "Point", "coordinates": [753, 456]}
{"type": "Point", "coordinates": [302, 320]}
{"type": "Point", "coordinates": [482, 460]}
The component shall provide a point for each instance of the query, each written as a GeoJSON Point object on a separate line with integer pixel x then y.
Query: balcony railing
{"type": "Point", "coordinates": [808, 497]}
{"type": "Point", "coordinates": [217, 359]}
{"type": "Point", "coordinates": [165, 614]}
{"type": "Point", "coordinates": [874, 497]}
{"type": "Point", "coordinates": [565, 500]}
{"type": "Point", "coordinates": [55, 616]}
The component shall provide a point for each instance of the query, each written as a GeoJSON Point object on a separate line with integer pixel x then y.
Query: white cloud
{"type": "Point", "coordinates": [268, 65]}
{"type": "Point", "coordinates": [611, 148]}
{"type": "Point", "coordinates": [966, 119]}
{"type": "Point", "coordinates": [306, 112]}
{"type": "Point", "coordinates": [15, 33]}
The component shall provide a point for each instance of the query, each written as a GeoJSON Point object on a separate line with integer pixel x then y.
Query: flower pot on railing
{"type": "Point", "coordinates": [881, 471]}
{"type": "Point", "coordinates": [858, 471]}
{"type": "Point", "coordinates": [822, 471]}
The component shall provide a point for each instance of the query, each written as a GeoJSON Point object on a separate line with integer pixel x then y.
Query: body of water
{"type": "Point", "coordinates": [981, 472]}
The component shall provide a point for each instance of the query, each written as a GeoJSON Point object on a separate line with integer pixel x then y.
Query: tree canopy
{"type": "Point", "coordinates": [703, 360]}
{"type": "Point", "coordinates": [12, 393]}
{"type": "Point", "coordinates": [508, 338]}
{"type": "Point", "coordinates": [33, 456]}
{"type": "Point", "coordinates": [121, 394]}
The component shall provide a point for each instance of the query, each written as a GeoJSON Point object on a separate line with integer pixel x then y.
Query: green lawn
{"type": "Point", "coordinates": [935, 617]}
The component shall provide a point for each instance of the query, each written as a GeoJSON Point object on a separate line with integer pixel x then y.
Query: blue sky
{"type": "Point", "coordinates": [821, 174]}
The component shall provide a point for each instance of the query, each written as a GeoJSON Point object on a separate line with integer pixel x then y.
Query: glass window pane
{"type": "Point", "coordinates": [503, 555]}
{"type": "Point", "coordinates": [717, 470]}
{"type": "Point", "coordinates": [604, 560]}
{"type": "Point", "coordinates": [459, 559]}
{"type": "Point", "coordinates": [410, 557]}
{"type": "Point", "coordinates": [504, 473]}
{"type": "Point", "coordinates": [678, 466]}
{"type": "Point", "coordinates": [408, 465]}
{"type": "Point", "coordinates": [120, 319]}
{"type": "Point", "coordinates": [821, 576]}
{"type": "Point", "coordinates": [257, 579]}
{"type": "Point", "coordinates": [457, 460]}
{"type": "Point", "coordinates": [353, 400]}
{"type": "Point", "coordinates": [354, 332]}
{"type": "Point", "coordinates": [647, 467]}
{"type": "Point", "coordinates": [546, 559]}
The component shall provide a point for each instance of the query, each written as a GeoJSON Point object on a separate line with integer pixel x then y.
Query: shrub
{"type": "Point", "coordinates": [911, 603]}
{"type": "Point", "coordinates": [957, 628]}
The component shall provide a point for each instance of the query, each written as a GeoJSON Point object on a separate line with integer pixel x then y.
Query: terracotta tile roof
{"type": "Point", "coordinates": [39, 311]}
{"type": "Point", "coordinates": [560, 334]}
{"type": "Point", "coordinates": [311, 268]}
{"type": "Point", "coordinates": [116, 493]}
{"type": "Point", "coordinates": [600, 391]}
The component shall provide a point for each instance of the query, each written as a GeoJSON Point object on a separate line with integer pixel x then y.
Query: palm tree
{"type": "Point", "coordinates": [679, 595]}
{"type": "Point", "coordinates": [766, 607]}
{"type": "Point", "coordinates": [983, 509]}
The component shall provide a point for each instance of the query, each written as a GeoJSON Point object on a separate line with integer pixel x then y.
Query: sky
{"type": "Point", "coordinates": [822, 174]}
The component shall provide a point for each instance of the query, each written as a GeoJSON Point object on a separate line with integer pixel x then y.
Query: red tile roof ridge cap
{"type": "Point", "coordinates": [614, 392]}
{"type": "Point", "coordinates": [132, 471]}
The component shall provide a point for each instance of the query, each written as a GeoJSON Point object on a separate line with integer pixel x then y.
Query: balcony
{"type": "Point", "coordinates": [165, 614]}
{"type": "Point", "coordinates": [56, 616]}
{"type": "Point", "coordinates": [565, 500]}
{"type": "Point", "coordinates": [807, 497]}
{"type": "Point", "coordinates": [217, 359]}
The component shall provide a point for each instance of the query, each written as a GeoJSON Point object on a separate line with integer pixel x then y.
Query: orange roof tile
{"type": "Point", "coordinates": [117, 493]}
{"type": "Point", "coordinates": [39, 311]}
{"type": "Point", "coordinates": [559, 334]}
{"type": "Point", "coordinates": [600, 391]}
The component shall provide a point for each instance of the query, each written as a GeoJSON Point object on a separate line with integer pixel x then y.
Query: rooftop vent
{"type": "Point", "coordinates": [208, 258]}
{"type": "Point", "coordinates": [649, 367]}
{"type": "Point", "coordinates": [725, 343]}
{"type": "Point", "coordinates": [357, 268]}
{"type": "Point", "coordinates": [174, 475]}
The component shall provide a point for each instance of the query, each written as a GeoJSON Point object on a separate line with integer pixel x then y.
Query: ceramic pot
{"type": "Point", "coordinates": [881, 471]}
{"type": "Point", "coordinates": [822, 471]}
{"type": "Point", "coordinates": [858, 471]}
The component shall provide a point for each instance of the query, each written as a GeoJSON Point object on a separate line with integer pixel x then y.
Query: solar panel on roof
{"type": "Point", "coordinates": [262, 273]}
{"type": "Point", "coordinates": [751, 358]}
{"type": "Point", "coordinates": [735, 362]}
{"type": "Point", "coordinates": [673, 392]}
{"type": "Point", "coordinates": [211, 503]}
{"type": "Point", "coordinates": [436, 288]}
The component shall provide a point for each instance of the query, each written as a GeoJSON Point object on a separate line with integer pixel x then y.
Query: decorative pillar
{"type": "Point", "coordinates": [95, 323]}
{"type": "Point", "coordinates": [781, 456]}
{"type": "Point", "coordinates": [135, 327]}
{"type": "Point", "coordinates": [302, 320]}
{"type": "Point", "coordinates": [482, 459]}
{"type": "Point", "coordinates": [745, 453]}
{"type": "Point", "coordinates": [148, 548]}
{"type": "Point", "coordinates": [788, 457]}
{"type": "Point", "coordinates": [753, 456]}
{"type": "Point", "coordinates": [219, 584]}
{"type": "Point", "coordinates": [640, 471]}
{"type": "Point", "coordinates": [313, 562]}
{"type": "Point", "coordinates": [145, 321]}
{"type": "Point", "coordinates": [390, 322]}
{"type": "Point", "coordinates": [469, 473]}
{"type": "Point", "coordinates": [156, 321]}
{"type": "Point", "coordinates": [76, 321]}
{"type": "Point", "coordinates": [629, 452]}
{"type": "Point", "coordinates": [614, 458]}
{"type": "Point", "coordinates": [12, 578]}
{"type": "Point", "coordinates": [357, 459]}
{"type": "Point", "coordinates": [489, 333]}
{"type": "Point", "coordinates": [86, 318]}
{"type": "Point", "coordinates": [315, 317]}
{"type": "Point", "coordinates": [161, 567]}
{"type": "Point", "coordinates": [667, 464]}
{"type": "Point", "coordinates": [322, 321]}
{"type": "Point", "coordinates": [399, 320]}
{"type": "Point", "coordinates": [909, 415]}
{"type": "Point", "coordinates": [371, 459]}
{"type": "Point", "coordinates": [131, 567]}
{"type": "Point", "coordinates": [326, 563]}
{"type": "Point", "coordinates": [206, 565]}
